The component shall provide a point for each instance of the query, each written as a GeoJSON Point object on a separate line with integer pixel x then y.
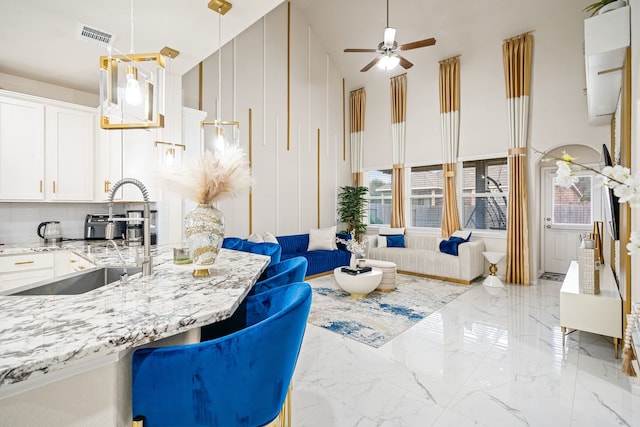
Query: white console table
{"type": "Point", "coordinates": [599, 314]}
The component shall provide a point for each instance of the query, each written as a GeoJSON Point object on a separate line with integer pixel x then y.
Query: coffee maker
{"type": "Point", "coordinates": [134, 233]}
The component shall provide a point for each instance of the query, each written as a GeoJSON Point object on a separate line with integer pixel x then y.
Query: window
{"type": "Point", "coordinates": [379, 196]}
{"type": "Point", "coordinates": [573, 205]}
{"type": "Point", "coordinates": [426, 196]}
{"type": "Point", "coordinates": [485, 187]}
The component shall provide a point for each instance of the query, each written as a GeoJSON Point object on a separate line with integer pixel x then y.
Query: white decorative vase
{"type": "Point", "coordinates": [204, 230]}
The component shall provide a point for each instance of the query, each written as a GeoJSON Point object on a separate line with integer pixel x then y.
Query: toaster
{"type": "Point", "coordinates": [95, 226]}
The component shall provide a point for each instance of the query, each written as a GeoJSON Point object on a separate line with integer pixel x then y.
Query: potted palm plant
{"type": "Point", "coordinates": [351, 209]}
{"type": "Point", "coordinates": [603, 6]}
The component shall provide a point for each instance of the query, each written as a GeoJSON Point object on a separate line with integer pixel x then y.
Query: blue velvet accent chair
{"type": "Point", "coordinates": [240, 379]}
{"type": "Point", "coordinates": [264, 248]}
{"type": "Point", "coordinates": [232, 243]}
{"type": "Point", "coordinates": [283, 273]}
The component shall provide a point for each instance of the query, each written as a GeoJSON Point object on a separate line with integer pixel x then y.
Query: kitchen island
{"type": "Point", "coordinates": [65, 359]}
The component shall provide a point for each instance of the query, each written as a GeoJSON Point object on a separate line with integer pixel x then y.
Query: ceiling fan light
{"type": "Point", "coordinates": [388, 62]}
{"type": "Point", "coordinates": [389, 37]}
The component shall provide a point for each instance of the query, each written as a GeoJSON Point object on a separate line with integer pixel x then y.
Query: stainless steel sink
{"type": "Point", "coordinates": [79, 283]}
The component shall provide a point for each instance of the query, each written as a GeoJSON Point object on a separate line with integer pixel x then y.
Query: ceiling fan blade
{"type": "Point", "coordinates": [420, 43]}
{"type": "Point", "coordinates": [360, 50]}
{"type": "Point", "coordinates": [405, 63]}
{"type": "Point", "coordinates": [370, 64]}
{"type": "Point", "coordinates": [389, 37]}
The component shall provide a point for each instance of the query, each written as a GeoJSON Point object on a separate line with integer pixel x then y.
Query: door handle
{"type": "Point", "coordinates": [548, 226]}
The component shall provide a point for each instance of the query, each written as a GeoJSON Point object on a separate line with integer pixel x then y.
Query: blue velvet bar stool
{"type": "Point", "coordinates": [283, 273]}
{"type": "Point", "coordinates": [240, 379]}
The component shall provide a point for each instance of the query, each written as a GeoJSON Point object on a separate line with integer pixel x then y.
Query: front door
{"type": "Point", "coordinates": [568, 212]}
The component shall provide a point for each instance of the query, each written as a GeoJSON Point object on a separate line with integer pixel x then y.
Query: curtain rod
{"type": "Point", "coordinates": [518, 35]}
{"type": "Point", "coordinates": [403, 74]}
{"type": "Point", "coordinates": [449, 58]}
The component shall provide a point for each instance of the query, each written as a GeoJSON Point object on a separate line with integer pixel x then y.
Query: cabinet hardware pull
{"type": "Point", "coordinates": [107, 186]}
{"type": "Point", "coordinates": [22, 262]}
{"type": "Point", "coordinates": [41, 186]}
{"type": "Point", "coordinates": [54, 187]}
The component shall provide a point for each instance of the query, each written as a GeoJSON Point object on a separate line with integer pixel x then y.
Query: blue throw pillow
{"type": "Point", "coordinates": [451, 246]}
{"type": "Point", "coordinates": [395, 241]}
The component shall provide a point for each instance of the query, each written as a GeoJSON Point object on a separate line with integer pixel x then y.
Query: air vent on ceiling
{"type": "Point", "coordinates": [94, 35]}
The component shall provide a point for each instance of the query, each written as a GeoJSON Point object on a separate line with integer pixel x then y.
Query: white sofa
{"type": "Point", "coordinates": [422, 256]}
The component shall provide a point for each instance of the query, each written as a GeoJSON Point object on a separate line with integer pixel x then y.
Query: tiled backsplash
{"type": "Point", "coordinates": [19, 221]}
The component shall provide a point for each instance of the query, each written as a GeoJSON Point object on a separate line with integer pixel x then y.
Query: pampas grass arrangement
{"type": "Point", "coordinates": [213, 177]}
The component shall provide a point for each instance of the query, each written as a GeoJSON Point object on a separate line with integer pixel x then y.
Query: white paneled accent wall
{"type": "Point", "coordinates": [254, 76]}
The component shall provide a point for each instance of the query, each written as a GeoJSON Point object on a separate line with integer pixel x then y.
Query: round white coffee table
{"type": "Point", "coordinates": [359, 285]}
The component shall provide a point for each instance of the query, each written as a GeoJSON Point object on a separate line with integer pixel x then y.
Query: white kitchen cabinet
{"type": "Point", "coordinates": [66, 262]}
{"type": "Point", "coordinates": [121, 154]}
{"type": "Point", "coordinates": [139, 162]}
{"type": "Point", "coordinates": [46, 149]}
{"type": "Point", "coordinates": [19, 270]}
{"type": "Point", "coordinates": [107, 162]}
{"type": "Point", "coordinates": [21, 149]}
{"type": "Point", "coordinates": [69, 154]}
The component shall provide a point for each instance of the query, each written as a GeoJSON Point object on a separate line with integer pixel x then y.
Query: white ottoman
{"type": "Point", "coordinates": [359, 285]}
{"type": "Point", "coordinates": [389, 272]}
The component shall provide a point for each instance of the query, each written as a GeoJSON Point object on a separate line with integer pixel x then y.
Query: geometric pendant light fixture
{"type": "Point", "coordinates": [132, 88]}
{"type": "Point", "coordinates": [216, 134]}
{"type": "Point", "coordinates": [132, 91]}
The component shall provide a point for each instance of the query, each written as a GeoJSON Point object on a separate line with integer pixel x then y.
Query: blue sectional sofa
{"type": "Point", "coordinates": [320, 261]}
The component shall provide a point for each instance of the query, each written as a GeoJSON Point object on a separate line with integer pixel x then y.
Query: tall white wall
{"type": "Point", "coordinates": [254, 76]}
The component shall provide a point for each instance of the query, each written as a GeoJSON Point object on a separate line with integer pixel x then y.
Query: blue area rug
{"type": "Point", "coordinates": [381, 316]}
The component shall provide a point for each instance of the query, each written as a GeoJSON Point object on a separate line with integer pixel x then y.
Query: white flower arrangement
{"type": "Point", "coordinates": [352, 244]}
{"type": "Point", "coordinates": [619, 178]}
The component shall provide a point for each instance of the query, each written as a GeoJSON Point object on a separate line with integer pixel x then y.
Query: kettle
{"type": "Point", "coordinates": [52, 233]}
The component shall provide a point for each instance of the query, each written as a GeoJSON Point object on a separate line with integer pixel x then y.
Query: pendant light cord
{"type": "Point", "coordinates": [131, 51]}
{"type": "Point", "coordinates": [219, 61]}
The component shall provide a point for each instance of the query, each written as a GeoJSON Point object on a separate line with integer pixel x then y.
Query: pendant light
{"type": "Point", "coordinates": [220, 138]}
{"type": "Point", "coordinates": [132, 87]}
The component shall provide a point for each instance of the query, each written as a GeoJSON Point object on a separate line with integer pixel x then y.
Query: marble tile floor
{"type": "Point", "coordinates": [481, 360]}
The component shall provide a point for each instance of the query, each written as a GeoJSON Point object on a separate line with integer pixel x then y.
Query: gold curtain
{"type": "Point", "coordinates": [517, 56]}
{"type": "Point", "coordinates": [449, 86]}
{"type": "Point", "coordinates": [357, 107]}
{"type": "Point", "coordinates": [398, 128]}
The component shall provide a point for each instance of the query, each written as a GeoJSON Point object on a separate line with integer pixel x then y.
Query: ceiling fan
{"type": "Point", "coordinates": [389, 50]}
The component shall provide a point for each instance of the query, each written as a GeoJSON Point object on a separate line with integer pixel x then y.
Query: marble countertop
{"type": "Point", "coordinates": [43, 334]}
